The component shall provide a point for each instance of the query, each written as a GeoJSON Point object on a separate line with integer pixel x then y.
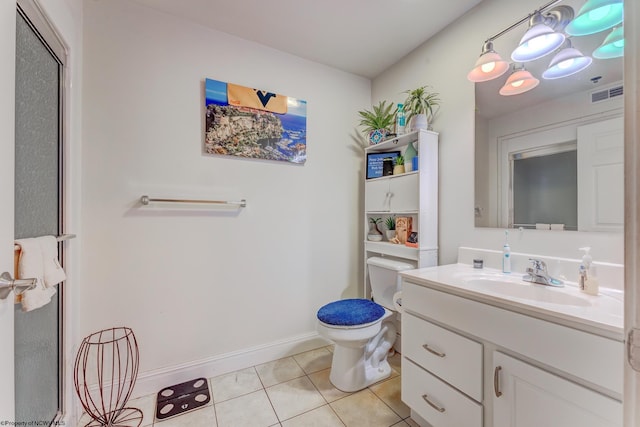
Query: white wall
{"type": "Point", "coordinates": [195, 284]}
{"type": "Point", "coordinates": [443, 62]}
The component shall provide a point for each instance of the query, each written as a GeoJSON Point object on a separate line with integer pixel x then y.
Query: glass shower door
{"type": "Point", "coordinates": [37, 212]}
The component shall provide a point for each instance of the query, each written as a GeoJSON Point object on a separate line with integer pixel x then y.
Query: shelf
{"type": "Point", "coordinates": [396, 142]}
{"type": "Point", "coordinates": [391, 212]}
{"type": "Point", "coordinates": [392, 249]}
{"type": "Point", "coordinates": [382, 178]}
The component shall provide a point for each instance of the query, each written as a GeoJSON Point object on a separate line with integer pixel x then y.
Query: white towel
{"type": "Point", "coordinates": [31, 262]}
{"type": "Point", "coordinates": [37, 297]}
{"type": "Point", "coordinates": [53, 271]}
{"type": "Point", "coordinates": [541, 226]}
{"type": "Point", "coordinates": [31, 265]}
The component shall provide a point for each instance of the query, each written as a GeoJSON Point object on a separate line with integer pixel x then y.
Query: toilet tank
{"type": "Point", "coordinates": [384, 278]}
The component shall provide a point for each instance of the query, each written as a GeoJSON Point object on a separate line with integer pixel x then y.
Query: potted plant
{"type": "Point", "coordinates": [399, 166]}
{"type": "Point", "coordinates": [378, 122]}
{"type": "Point", "coordinates": [375, 235]}
{"type": "Point", "coordinates": [390, 222]}
{"type": "Point", "coordinates": [421, 105]}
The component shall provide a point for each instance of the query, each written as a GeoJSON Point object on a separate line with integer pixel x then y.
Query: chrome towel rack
{"type": "Point", "coordinates": [145, 200]}
{"type": "Point", "coordinates": [60, 238]}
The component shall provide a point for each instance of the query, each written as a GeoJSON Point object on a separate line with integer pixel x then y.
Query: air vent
{"type": "Point", "coordinates": [603, 95]}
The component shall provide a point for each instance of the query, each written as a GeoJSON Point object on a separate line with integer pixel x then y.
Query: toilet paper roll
{"type": "Point", "coordinates": [397, 302]}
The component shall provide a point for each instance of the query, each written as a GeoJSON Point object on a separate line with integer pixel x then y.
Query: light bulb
{"type": "Point", "coordinates": [517, 83]}
{"type": "Point", "coordinates": [488, 67]}
{"type": "Point", "coordinates": [566, 63]}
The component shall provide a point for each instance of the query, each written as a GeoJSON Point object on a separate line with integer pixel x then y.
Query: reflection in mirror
{"type": "Point", "coordinates": [554, 154]}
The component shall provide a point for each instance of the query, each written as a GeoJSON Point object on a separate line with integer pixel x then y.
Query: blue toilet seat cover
{"type": "Point", "coordinates": [350, 312]}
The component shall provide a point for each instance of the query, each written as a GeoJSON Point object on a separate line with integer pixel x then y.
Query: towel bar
{"type": "Point", "coordinates": [145, 200]}
{"type": "Point", "coordinates": [60, 238]}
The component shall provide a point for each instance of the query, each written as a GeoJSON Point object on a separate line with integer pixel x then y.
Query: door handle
{"type": "Point", "coordinates": [8, 284]}
{"type": "Point", "coordinates": [496, 381]}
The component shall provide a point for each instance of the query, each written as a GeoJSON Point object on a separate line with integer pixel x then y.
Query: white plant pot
{"type": "Point", "coordinates": [419, 122]}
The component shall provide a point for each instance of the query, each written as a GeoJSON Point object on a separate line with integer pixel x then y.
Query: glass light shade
{"type": "Point", "coordinates": [612, 46]}
{"type": "Point", "coordinates": [538, 41]}
{"type": "Point", "coordinates": [520, 81]}
{"type": "Point", "coordinates": [596, 16]}
{"type": "Point", "coordinates": [567, 62]}
{"type": "Point", "coordinates": [488, 67]}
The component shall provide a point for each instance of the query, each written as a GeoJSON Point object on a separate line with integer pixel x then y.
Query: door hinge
{"type": "Point", "coordinates": [633, 349]}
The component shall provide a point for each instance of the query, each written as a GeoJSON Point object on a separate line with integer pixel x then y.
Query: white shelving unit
{"type": "Point", "coordinates": [413, 194]}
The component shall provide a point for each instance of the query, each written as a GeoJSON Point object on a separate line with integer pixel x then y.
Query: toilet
{"type": "Point", "coordinates": [363, 331]}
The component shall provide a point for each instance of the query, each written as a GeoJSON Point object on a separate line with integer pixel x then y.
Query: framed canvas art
{"type": "Point", "coordinates": [253, 123]}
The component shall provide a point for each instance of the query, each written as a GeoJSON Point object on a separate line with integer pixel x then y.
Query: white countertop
{"type": "Point", "coordinates": [602, 314]}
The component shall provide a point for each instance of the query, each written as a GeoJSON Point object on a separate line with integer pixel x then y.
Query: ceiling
{"type": "Point", "coordinates": [362, 37]}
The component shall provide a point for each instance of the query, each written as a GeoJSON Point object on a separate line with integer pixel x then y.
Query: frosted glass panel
{"type": "Point", "coordinates": [36, 214]}
{"type": "Point", "coordinates": [545, 190]}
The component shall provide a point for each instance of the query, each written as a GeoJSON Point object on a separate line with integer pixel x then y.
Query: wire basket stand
{"type": "Point", "coordinates": [105, 373]}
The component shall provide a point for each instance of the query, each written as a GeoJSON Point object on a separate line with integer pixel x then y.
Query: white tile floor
{"type": "Point", "coordinates": [290, 392]}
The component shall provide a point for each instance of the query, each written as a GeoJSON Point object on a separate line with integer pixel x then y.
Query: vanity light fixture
{"type": "Point", "coordinates": [567, 62]}
{"type": "Point", "coordinates": [488, 66]}
{"type": "Point", "coordinates": [520, 81]}
{"type": "Point", "coordinates": [539, 40]}
{"type": "Point", "coordinates": [612, 46]}
{"type": "Point", "coordinates": [596, 16]}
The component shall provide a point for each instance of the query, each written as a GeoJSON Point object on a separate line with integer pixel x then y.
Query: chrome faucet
{"type": "Point", "coordinates": [537, 273]}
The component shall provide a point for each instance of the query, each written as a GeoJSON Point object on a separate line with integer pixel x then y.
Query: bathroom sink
{"type": "Point", "coordinates": [528, 291]}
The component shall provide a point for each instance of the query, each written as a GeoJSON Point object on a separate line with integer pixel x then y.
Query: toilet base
{"type": "Point", "coordinates": [356, 366]}
{"type": "Point", "coordinates": [359, 375]}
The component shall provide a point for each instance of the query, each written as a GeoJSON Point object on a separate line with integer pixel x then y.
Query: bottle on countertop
{"type": "Point", "coordinates": [588, 277]}
{"type": "Point", "coordinates": [506, 254]}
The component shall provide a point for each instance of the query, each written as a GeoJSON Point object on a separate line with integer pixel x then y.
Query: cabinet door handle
{"type": "Point", "coordinates": [432, 404]}
{"type": "Point", "coordinates": [496, 381]}
{"type": "Point", "coordinates": [432, 351]}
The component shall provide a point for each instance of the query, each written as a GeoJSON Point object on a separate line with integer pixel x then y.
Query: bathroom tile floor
{"type": "Point", "coordinates": [290, 392]}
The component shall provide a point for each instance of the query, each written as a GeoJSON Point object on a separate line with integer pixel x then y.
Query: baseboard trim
{"type": "Point", "coordinates": [151, 382]}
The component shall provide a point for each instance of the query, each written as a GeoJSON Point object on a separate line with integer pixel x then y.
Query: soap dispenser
{"type": "Point", "coordinates": [588, 279]}
{"type": "Point", "coordinates": [506, 254]}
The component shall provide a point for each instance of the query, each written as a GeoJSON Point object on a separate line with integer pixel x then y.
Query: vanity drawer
{"type": "Point", "coordinates": [455, 409]}
{"type": "Point", "coordinates": [452, 357]}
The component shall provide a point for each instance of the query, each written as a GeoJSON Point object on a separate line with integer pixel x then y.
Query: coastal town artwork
{"type": "Point", "coordinates": [254, 123]}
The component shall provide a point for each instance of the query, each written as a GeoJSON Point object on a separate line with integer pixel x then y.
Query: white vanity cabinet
{"type": "Point", "coordinates": [413, 194]}
{"type": "Point", "coordinates": [497, 367]}
{"type": "Point", "coordinates": [525, 395]}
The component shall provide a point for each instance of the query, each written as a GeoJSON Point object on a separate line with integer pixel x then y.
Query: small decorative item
{"type": "Point", "coordinates": [409, 154]}
{"type": "Point", "coordinates": [398, 169]}
{"type": "Point", "coordinates": [421, 106]}
{"type": "Point", "coordinates": [403, 228]}
{"type": "Point", "coordinates": [105, 372]}
{"type": "Point", "coordinates": [412, 240]}
{"type": "Point", "coordinates": [377, 123]}
{"type": "Point", "coordinates": [375, 235]}
{"type": "Point", "coordinates": [375, 165]}
{"type": "Point", "coordinates": [390, 222]}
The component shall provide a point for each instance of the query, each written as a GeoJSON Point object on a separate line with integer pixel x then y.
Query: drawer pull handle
{"type": "Point", "coordinates": [433, 405]}
{"type": "Point", "coordinates": [496, 381]}
{"type": "Point", "coordinates": [432, 351]}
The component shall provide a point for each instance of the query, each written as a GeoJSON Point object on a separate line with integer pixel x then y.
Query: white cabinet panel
{"type": "Point", "coordinates": [392, 194]}
{"type": "Point", "coordinates": [531, 397]}
{"type": "Point", "coordinates": [437, 402]}
{"type": "Point", "coordinates": [452, 357]}
{"type": "Point", "coordinates": [403, 191]}
{"type": "Point", "coordinates": [376, 195]}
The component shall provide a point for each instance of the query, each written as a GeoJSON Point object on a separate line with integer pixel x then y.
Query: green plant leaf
{"type": "Point", "coordinates": [382, 116]}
